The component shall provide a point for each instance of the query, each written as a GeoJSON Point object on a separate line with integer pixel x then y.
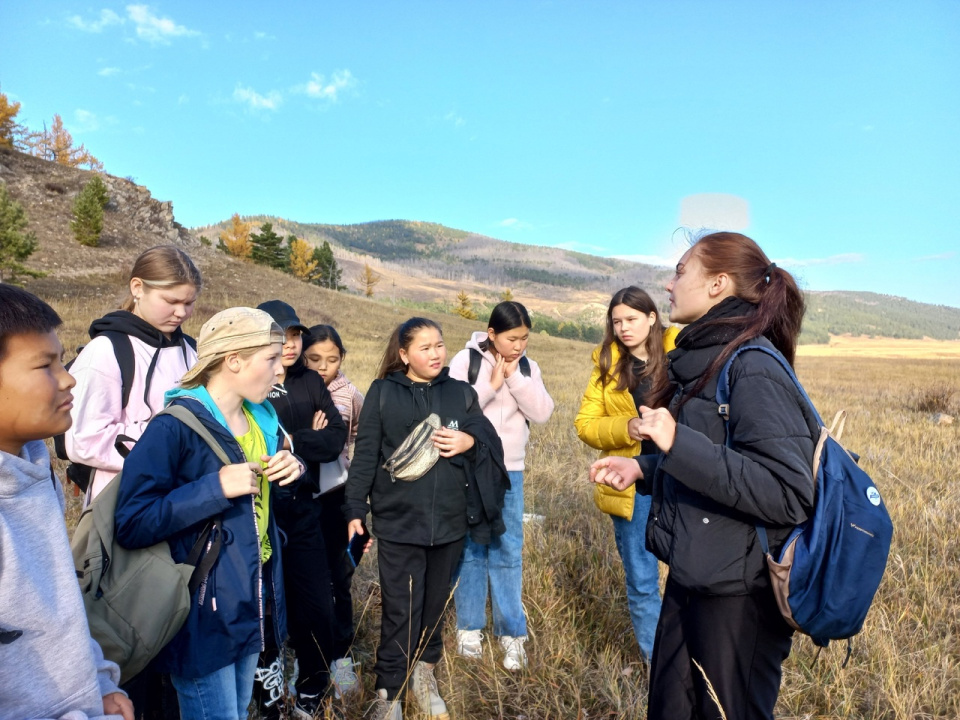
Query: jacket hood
{"type": "Point", "coordinates": [401, 379]}
{"type": "Point", "coordinates": [338, 382]}
{"type": "Point", "coordinates": [134, 326]}
{"type": "Point", "coordinates": [17, 472]}
{"type": "Point", "coordinates": [474, 344]}
{"type": "Point", "coordinates": [263, 414]}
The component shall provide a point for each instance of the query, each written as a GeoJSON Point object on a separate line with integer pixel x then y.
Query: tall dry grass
{"type": "Point", "coordinates": [584, 661]}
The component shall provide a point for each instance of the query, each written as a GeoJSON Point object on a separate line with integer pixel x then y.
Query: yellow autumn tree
{"type": "Point", "coordinates": [506, 295]}
{"type": "Point", "coordinates": [302, 263]}
{"type": "Point", "coordinates": [464, 306]}
{"type": "Point", "coordinates": [235, 240]}
{"type": "Point", "coordinates": [57, 144]}
{"type": "Point", "coordinates": [8, 122]}
{"type": "Point", "coordinates": [368, 278]}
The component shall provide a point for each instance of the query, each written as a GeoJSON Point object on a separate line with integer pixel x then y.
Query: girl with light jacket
{"type": "Point", "coordinates": [511, 398]}
{"type": "Point", "coordinates": [163, 288]}
{"type": "Point", "coordinates": [629, 370]}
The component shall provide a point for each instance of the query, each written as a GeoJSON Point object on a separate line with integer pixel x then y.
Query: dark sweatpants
{"type": "Point", "coordinates": [414, 590]}
{"type": "Point", "coordinates": [306, 580]}
{"type": "Point", "coordinates": [741, 643]}
{"type": "Point", "coordinates": [335, 539]}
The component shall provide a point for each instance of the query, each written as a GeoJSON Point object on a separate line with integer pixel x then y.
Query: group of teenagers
{"type": "Point", "coordinates": [309, 465]}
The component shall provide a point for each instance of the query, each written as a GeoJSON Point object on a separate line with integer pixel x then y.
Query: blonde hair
{"type": "Point", "coordinates": [163, 266]}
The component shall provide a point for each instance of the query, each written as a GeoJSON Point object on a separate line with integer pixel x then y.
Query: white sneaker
{"type": "Point", "coordinates": [343, 677]}
{"type": "Point", "coordinates": [424, 687]}
{"type": "Point", "coordinates": [470, 643]}
{"type": "Point", "coordinates": [514, 654]}
{"type": "Point", "coordinates": [383, 709]}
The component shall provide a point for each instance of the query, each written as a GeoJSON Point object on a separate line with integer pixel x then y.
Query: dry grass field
{"type": "Point", "coordinates": [584, 659]}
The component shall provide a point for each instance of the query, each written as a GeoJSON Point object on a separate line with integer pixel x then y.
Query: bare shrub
{"type": "Point", "coordinates": [934, 399]}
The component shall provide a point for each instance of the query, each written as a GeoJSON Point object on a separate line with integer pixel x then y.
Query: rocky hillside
{"type": "Point", "coordinates": [133, 219]}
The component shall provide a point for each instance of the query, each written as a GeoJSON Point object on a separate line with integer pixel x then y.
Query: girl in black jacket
{"type": "Point", "coordinates": [420, 525]}
{"type": "Point", "coordinates": [318, 433]}
{"type": "Point", "coordinates": [718, 607]}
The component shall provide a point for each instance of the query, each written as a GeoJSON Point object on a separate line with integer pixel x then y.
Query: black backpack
{"type": "Point", "coordinates": [474, 370]}
{"type": "Point", "coordinates": [476, 358]}
{"type": "Point", "coordinates": [78, 473]}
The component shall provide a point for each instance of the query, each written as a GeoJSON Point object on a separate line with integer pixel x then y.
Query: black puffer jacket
{"type": "Point", "coordinates": [431, 510]}
{"type": "Point", "coordinates": [707, 497]}
{"type": "Point", "coordinates": [296, 400]}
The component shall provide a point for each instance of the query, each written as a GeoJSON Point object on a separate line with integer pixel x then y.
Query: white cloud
{"type": "Point", "coordinates": [948, 255]}
{"type": "Point", "coordinates": [842, 259]}
{"type": "Point", "coordinates": [154, 29]}
{"type": "Point", "coordinates": [256, 101]}
{"type": "Point", "coordinates": [183, 100]}
{"type": "Point", "coordinates": [107, 18]}
{"type": "Point", "coordinates": [263, 36]}
{"type": "Point", "coordinates": [86, 121]}
{"type": "Point", "coordinates": [454, 118]}
{"type": "Point", "coordinates": [109, 72]}
{"type": "Point", "coordinates": [322, 89]}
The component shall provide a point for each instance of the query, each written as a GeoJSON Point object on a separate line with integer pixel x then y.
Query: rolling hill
{"type": "Point", "coordinates": [422, 265]}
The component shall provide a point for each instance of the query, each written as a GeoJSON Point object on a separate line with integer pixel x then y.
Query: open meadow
{"type": "Point", "coordinates": [584, 662]}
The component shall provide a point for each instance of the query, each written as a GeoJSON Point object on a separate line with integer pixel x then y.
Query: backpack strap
{"type": "Point", "coordinates": [723, 407]}
{"type": "Point", "coordinates": [524, 366]}
{"type": "Point", "coordinates": [473, 372]}
{"type": "Point", "coordinates": [123, 350]}
{"type": "Point", "coordinates": [211, 534]}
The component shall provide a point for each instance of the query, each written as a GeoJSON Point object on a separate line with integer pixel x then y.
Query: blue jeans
{"type": "Point", "coordinates": [499, 565]}
{"type": "Point", "coordinates": [221, 695]}
{"type": "Point", "coordinates": [640, 567]}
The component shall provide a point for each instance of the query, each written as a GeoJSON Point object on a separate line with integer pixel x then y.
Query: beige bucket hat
{"type": "Point", "coordinates": [239, 328]}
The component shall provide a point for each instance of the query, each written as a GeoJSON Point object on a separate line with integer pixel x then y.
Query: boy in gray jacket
{"type": "Point", "coordinates": [50, 667]}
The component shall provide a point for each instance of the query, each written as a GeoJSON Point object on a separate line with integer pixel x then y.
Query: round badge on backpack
{"type": "Point", "coordinates": [873, 495]}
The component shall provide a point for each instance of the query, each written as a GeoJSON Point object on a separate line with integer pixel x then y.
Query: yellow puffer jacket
{"type": "Point", "coordinates": [602, 423]}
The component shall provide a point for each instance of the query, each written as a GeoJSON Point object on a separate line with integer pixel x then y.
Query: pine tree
{"type": "Point", "coordinates": [235, 240]}
{"type": "Point", "coordinates": [464, 306]}
{"type": "Point", "coordinates": [267, 248]}
{"type": "Point", "coordinates": [87, 223]}
{"type": "Point", "coordinates": [16, 245]}
{"type": "Point", "coordinates": [302, 263]}
{"type": "Point", "coordinates": [328, 272]}
{"type": "Point", "coordinates": [368, 278]}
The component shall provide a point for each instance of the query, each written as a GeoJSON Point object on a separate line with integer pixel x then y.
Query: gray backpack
{"type": "Point", "coordinates": [137, 600]}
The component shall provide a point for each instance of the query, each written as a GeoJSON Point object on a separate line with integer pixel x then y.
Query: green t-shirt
{"type": "Point", "coordinates": [254, 446]}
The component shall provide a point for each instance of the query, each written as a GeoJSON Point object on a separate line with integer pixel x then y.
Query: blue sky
{"type": "Point", "coordinates": [828, 131]}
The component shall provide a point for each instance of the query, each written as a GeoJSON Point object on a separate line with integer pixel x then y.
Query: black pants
{"type": "Point", "coordinates": [335, 539]}
{"type": "Point", "coordinates": [741, 643]}
{"type": "Point", "coordinates": [306, 581]}
{"type": "Point", "coordinates": [414, 590]}
{"type": "Point", "coordinates": [153, 696]}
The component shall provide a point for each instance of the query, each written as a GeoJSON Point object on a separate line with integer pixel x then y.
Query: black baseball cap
{"type": "Point", "coordinates": [284, 315]}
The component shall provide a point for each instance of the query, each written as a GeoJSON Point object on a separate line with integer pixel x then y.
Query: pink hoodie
{"type": "Point", "coordinates": [519, 399]}
{"type": "Point", "coordinates": [98, 412]}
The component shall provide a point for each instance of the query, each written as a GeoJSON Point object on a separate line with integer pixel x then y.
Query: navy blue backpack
{"type": "Point", "coordinates": [831, 565]}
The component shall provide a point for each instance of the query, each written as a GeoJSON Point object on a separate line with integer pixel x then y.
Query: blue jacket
{"type": "Point", "coordinates": [169, 490]}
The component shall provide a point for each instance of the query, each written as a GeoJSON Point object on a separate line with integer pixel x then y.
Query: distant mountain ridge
{"type": "Point", "coordinates": [430, 250]}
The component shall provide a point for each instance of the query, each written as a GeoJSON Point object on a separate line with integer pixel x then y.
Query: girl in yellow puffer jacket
{"type": "Point", "coordinates": [629, 370]}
